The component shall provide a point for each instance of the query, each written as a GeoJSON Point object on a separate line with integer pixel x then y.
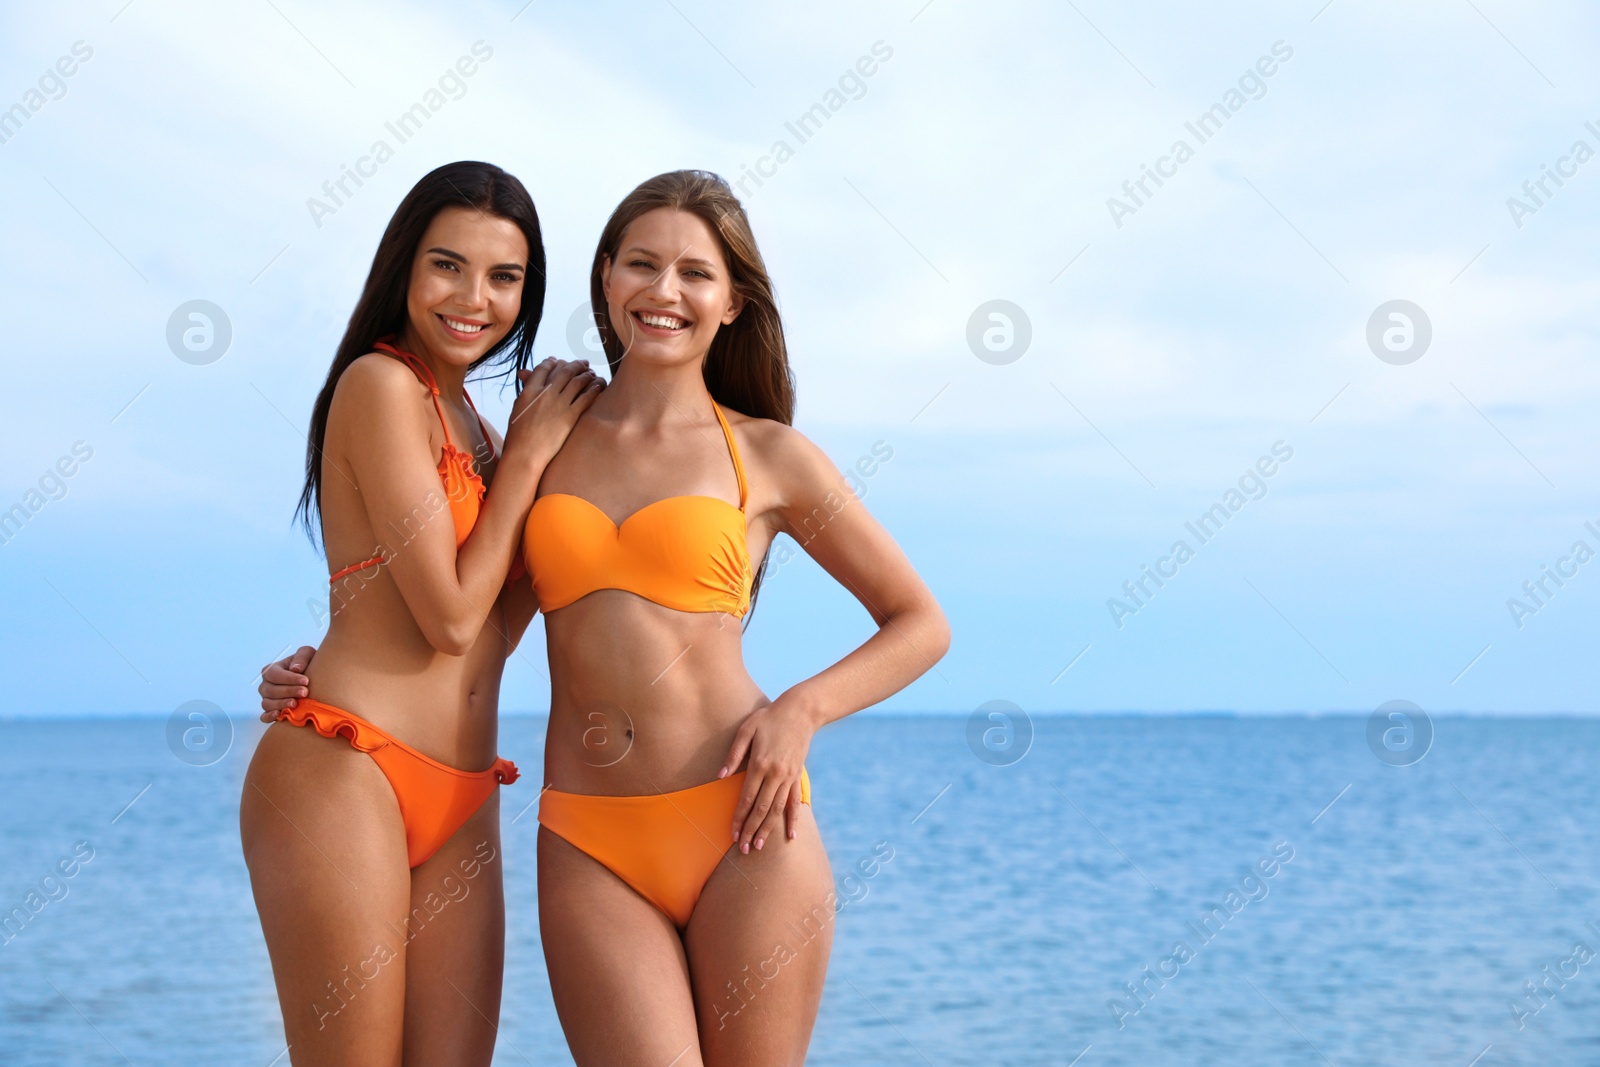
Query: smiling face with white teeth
{"type": "Point", "coordinates": [668, 290]}
{"type": "Point", "coordinates": [466, 285]}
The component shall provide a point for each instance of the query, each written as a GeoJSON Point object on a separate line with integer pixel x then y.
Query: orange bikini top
{"type": "Point", "coordinates": [463, 487]}
{"type": "Point", "coordinates": [683, 552]}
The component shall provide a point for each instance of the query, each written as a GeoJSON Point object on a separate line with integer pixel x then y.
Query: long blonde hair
{"type": "Point", "coordinates": [747, 368]}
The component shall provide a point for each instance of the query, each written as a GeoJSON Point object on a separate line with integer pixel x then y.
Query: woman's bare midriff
{"type": "Point", "coordinates": [375, 663]}
{"type": "Point", "coordinates": [644, 698]}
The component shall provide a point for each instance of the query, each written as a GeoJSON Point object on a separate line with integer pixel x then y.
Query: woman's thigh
{"type": "Point", "coordinates": [758, 946]}
{"type": "Point", "coordinates": [617, 968]}
{"type": "Point", "coordinates": [326, 850]}
{"type": "Point", "coordinates": [455, 946]}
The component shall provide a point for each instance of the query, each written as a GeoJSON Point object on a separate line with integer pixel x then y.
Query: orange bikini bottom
{"type": "Point", "coordinates": [664, 845]}
{"type": "Point", "coordinates": [435, 799]}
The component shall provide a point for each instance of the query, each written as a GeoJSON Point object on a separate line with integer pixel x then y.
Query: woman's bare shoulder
{"type": "Point", "coordinates": [376, 387]}
{"type": "Point", "coordinates": [792, 466]}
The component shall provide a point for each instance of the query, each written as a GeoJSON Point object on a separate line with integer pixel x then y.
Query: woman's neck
{"type": "Point", "coordinates": [648, 395]}
{"type": "Point", "coordinates": [451, 379]}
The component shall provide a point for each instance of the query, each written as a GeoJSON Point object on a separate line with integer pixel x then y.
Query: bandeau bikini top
{"type": "Point", "coordinates": [463, 486]}
{"type": "Point", "coordinates": [683, 552]}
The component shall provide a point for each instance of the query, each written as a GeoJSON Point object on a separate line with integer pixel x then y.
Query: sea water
{"type": "Point", "coordinates": [1118, 890]}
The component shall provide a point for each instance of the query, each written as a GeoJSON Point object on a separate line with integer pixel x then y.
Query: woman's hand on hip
{"type": "Point", "coordinates": [775, 737]}
{"type": "Point", "coordinates": [283, 681]}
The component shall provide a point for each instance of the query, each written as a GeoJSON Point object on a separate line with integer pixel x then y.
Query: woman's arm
{"type": "Point", "coordinates": [520, 607]}
{"type": "Point", "coordinates": [517, 602]}
{"type": "Point", "coordinates": [450, 591]}
{"type": "Point", "coordinates": [822, 513]}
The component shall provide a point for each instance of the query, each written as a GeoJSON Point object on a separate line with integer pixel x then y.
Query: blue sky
{"type": "Point", "coordinates": [1172, 345]}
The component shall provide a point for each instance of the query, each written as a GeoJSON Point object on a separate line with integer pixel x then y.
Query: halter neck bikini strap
{"type": "Point", "coordinates": [483, 427]}
{"type": "Point", "coordinates": [420, 369]}
{"type": "Point", "coordinates": [733, 450]}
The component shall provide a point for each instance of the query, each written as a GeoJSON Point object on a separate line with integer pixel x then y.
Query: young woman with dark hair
{"type": "Point", "coordinates": [685, 898]}
{"type": "Point", "coordinates": [370, 815]}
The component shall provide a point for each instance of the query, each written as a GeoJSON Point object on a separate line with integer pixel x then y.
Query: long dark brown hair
{"type": "Point", "coordinates": [747, 367]}
{"type": "Point", "coordinates": [382, 308]}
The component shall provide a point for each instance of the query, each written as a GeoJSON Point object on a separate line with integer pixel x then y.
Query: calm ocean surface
{"type": "Point", "coordinates": [1018, 903]}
